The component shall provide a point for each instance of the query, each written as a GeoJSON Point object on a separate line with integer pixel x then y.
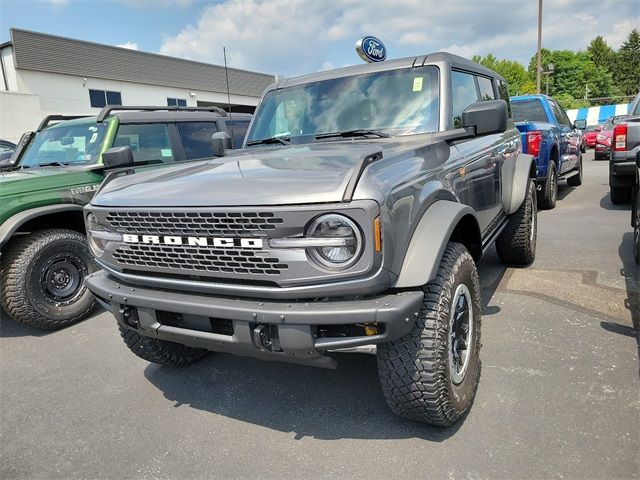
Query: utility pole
{"type": "Point", "coordinates": [539, 65]}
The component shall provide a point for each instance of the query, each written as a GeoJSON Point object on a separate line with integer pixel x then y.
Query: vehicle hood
{"type": "Point", "coordinates": [35, 179]}
{"type": "Point", "coordinates": [309, 173]}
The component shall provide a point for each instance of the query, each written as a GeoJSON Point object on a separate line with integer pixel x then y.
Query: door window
{"type": "Point", "coordinates": [149, 142]}
{"type": "Point", "coordinates": [463, 94]}
{"type": "Point", "coordinates": [561, 117]}
{"type": "Point", "coordinates": [196, 139]}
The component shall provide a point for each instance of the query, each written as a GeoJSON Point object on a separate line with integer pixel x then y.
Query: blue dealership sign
{"type": "Point", "coordinates": [371, 49]}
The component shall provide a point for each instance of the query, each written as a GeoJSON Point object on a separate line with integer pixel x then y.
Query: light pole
{"type": "Point", "coordinates": [547, 72]}
{"type": "Point", "coordinates": [539, 62]}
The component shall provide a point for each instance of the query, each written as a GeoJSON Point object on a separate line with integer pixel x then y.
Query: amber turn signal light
{"type": "Point", "coordinates": [377, 234]}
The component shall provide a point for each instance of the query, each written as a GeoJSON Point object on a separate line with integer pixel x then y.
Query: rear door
{"type": "Point", "coordinates": [569, 139]}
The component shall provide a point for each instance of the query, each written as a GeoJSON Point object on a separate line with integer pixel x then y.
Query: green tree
{"type": "Point", "coordinates": [574, 76]}
{"type": "Point", "coordinates": [627, 70]}
{"type": "Point", "coordinates": [513, 72]}
{"type": "Point", "coordinates": [601, 54]}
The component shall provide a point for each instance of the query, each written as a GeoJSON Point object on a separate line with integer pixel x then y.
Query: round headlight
{"type": "Point", "coordinates": [346, 239]}
{"type": "Point", "coordinates": [98, 235]}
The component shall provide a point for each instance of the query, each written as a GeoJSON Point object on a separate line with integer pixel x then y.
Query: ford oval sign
{"type": "Point", "coordinates": [371, 49]}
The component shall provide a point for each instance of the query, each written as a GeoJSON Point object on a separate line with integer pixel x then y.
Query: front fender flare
{"type": "Point", "coordinates": [429, 241]}
{"type": "Point", "coordinates": [9, 227]}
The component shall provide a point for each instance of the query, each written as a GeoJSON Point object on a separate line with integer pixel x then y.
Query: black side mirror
{"type": "Point", "coordinates": [486, 117]}
{"type": "Point", "coordinates": [221, 141]}
{"type": "Point", "coordinates": [117, 157]}
{"type": "Point", "coordinates": [580, 124]}
{"type": "Point", "coordinates": [638, 158]}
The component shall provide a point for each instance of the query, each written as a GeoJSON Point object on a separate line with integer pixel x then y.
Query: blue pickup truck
{"type": "Point", "coordinates": [555, 142]}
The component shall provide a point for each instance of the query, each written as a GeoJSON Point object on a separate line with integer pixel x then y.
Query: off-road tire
{"type": "Point", "coordinates": [619, 195]}
{"type": "Point", "coordinates": [548, 196]}
{"type": "Point", "coordinates": [162, 352]}
{"type": "Point", "coordinates": [21, 268]}
{"type": "Point", "coordinates": [414, 370]}
{"type": "Point", "coordinates": [576, 180]}
{"type": "Point", "coordinates": [516, 245]}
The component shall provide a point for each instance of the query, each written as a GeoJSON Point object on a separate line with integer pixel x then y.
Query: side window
{"type": "Point", "coordinates": [503, 92]}
{"type": "Point", "coordinates": [102, 98]}
{"type": "Point", "coordinates": [486, 89]}
{"type": "Point", "coordinates": [239, 130]}
{"type": "Point", "coordinates": [565, 117]}
{"type": "Point", "coordinates": [149, 142]}
{"type": "Point", "coordinates": [561, 117]}
{"type": "Point", "coordinates": [196, 139]}
{"type": "Point", "coordinates": [463, 94]}
{"type": "Point", "coordinates": [176, 102]}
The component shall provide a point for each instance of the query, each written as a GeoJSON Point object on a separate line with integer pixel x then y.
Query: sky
{"type": "Point", "coordinates": [294, 37]}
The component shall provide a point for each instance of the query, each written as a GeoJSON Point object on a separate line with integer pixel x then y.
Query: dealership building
{"type": "Point", "coordinates": [46, 74]}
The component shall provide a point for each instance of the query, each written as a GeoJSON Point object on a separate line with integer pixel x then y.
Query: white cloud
{"type": "Point", "coordinates": [129, 45]}
{"type": "Point", "coordinates": [58, 3]}
{"type": "Point", "coordinates": [156, 3]}
{"type": "Point", "coordinates": [620, 31]}
{"type": "Point", "coordinates": [299, 36]}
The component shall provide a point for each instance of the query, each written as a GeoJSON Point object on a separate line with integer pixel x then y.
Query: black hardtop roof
{"type": "Point", "coordinates": [149, 115]}
{"type": "Point", "coordinates": [177, 116]}
{"type": "Point", "coordinates": [455, 61]}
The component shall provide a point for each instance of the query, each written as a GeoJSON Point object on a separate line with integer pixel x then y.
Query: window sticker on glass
{"type": "Point", "coordinates": [166, 152]}
{"type": "Point", "coordinates": [417, 84]}
{"type": "Point", "coordinates": [93, 137]}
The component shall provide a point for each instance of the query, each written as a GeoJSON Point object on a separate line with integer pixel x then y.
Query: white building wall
{"type": "Point", "coordinates": [19, 113]}
{"type": "Point", "coordinates": [66, 94]}
{"type": "Point", "coordinates": [34, 95]}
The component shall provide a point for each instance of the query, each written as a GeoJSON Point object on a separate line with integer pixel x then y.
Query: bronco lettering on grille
{"type": "Point", "coordinates": [195, 241]}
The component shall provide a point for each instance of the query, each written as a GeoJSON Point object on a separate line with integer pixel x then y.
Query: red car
{"type": "Point", "coordinates": [603, 138]}
{"type": "Point", "coordinates": [590, 134]}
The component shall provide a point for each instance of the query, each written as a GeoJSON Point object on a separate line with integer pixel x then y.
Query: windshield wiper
{"type": "Point", "coordinates": [267, 141]}
{"type": "Point", "coordinates": [359, 132]}
{"type": "Point", "coordinates": [49, 164]}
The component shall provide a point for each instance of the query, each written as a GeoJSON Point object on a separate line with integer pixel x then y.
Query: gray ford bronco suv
{"type": "Point", "coordinates": [354, 216]}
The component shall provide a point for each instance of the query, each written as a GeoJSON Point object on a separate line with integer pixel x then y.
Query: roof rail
{"type": "Point", "coordinates": [104, 113]}
{"type": "Point", "coordinates": [50, 118]}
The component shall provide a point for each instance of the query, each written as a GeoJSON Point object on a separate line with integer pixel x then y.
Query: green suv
{"type": "Point", "coordinates": [56, 170]}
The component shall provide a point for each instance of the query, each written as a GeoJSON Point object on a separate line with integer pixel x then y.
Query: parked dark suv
{"type": "Point", "coordinates": [354, 217]}
{"type": "Point", "coordinates": [55, 171]}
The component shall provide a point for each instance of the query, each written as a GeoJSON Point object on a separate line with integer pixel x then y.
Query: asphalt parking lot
{"type": "Point", "coordinates": [558, 398]}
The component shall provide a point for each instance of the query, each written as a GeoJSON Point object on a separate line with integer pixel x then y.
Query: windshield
{"type": "Point", "coordinates": [592, 128]}
{"type": "Point", "coordinates": [396, 102]}
{"type": "Point", "coordinates": [528, 111]}
{"type": "Point", "coordinates": [65, 145]}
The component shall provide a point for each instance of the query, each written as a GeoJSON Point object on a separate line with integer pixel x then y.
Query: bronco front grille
{"type": "Point", "coordinates": [198, 259]}
{"type": "Point", "coordinates": [193, 223]}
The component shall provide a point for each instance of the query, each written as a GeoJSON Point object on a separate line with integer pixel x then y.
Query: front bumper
{"type": "Point", "coordinates": [293, 327]}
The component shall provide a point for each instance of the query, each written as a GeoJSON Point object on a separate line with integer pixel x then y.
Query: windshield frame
{"type": "Point", "coordinates": [434, 94]}
{"type": "Point", "coordinates": [103, 140]}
